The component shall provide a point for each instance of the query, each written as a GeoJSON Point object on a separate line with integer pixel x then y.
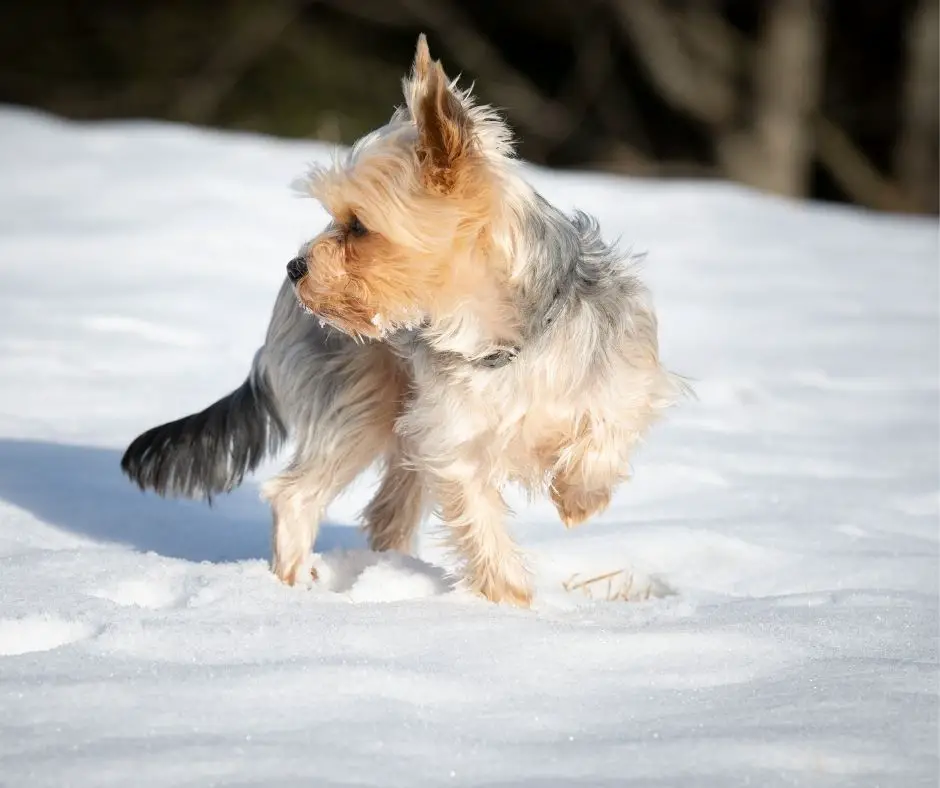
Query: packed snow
{"type": "Point", "coordinates": [771, 612]}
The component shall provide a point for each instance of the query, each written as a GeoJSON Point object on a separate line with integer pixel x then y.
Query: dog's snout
{"type": "Point", "coordinates": [297, 269]}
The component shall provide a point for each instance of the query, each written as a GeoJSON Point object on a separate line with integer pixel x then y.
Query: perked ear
{"type": "Point", "coordinates": [445, 134]}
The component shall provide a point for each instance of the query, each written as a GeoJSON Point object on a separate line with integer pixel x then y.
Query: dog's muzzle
{"type": "Point", "coordinates": [296, 269]}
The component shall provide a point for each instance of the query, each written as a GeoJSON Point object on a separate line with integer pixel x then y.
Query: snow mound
{"type": "Point", "coordinates": [763, 604]}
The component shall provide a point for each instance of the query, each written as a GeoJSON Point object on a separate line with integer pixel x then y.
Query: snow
{"type": "Point", "coordinates": [774, 616]}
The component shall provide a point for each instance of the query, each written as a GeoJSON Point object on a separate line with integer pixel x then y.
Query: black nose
{"type": "Point", "coordinates": [296, 269]}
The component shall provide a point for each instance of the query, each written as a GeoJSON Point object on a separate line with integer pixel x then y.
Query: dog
{"type": "Point", "coordinates": [449, 322]}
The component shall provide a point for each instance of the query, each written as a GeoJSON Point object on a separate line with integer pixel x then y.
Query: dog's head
{"type": "Point", "coordinates": [413, 208]}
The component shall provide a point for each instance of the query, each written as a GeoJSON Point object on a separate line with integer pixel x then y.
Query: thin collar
{"type": "Point", "coordinates": [504, 355]}
{"type": "Point", "coordinates": [500, 358]}
{"type": "Point", "coordinates": [507, 355]}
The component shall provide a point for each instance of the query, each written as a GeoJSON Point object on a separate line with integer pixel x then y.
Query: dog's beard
{"type": "Point", "coordinates": [408, 321]}
{"type": "Point", "coordinates": [303, 305]}
{"type": "Point", "coordinates": [381, 326]}
{"type": "Point", "coordinates": [326, 318]}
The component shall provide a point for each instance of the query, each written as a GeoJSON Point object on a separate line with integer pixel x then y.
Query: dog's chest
{"type": "Point", "coordinates": [510, 421]}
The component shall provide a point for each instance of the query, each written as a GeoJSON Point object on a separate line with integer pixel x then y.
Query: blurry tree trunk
{"type": "Point", "coordinates": [765, 141]}
{"type": "Point", "coordinates": [776, 152]}
{"type": "Point", "coordinates": [682, 79]}
{"type": "Point", "coordinates": [915, 162]}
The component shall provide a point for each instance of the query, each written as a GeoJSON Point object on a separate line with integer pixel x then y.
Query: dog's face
{"type": "Point", "coordinates": [409, 212]}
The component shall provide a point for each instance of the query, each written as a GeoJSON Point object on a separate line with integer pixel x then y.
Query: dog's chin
{"type": "Point", "coordinates": [351, 325]}
{"type": "Point", "coordinates": [358, 320]}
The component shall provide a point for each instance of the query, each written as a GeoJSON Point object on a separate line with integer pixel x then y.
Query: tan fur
{"type": "Point", "coordinates": [493, 566]}
{"type": "Point", "coordinates": [443, 248]}
{"type": "Point", "coordinates": [395, 512]}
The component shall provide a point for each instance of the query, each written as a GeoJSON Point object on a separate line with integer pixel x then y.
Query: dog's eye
{"type": "Point", "coordinates": [356, 228]}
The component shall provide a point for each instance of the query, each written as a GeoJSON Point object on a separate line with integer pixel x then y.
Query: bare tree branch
{"type": "Point", "coordinates": [745, 153]}
{"type": "Point", "coordinates": [258, 32]}
{"type": "Point", "coordinates": [915, 161]}
{"type": "Point", "coordinates": [712, 40]}
{"type": "Point", "coordinates": [681, 80]}
{"type": "Point", "coordinates": [854, 173]}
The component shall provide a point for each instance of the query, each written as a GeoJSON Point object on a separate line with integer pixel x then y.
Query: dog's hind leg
{"type": "Point", "coordinates": [347, 424]}
{"type": "Point", "coordinates": [395, 512]}
{"type": "Point", "coordinates": [299, 497]}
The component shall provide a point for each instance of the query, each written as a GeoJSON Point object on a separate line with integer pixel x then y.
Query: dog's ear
{"type": "Point", "coordinates": [445, 133]}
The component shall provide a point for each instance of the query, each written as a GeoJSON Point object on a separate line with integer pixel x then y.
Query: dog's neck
{"type": "Point", "coordinates": [479, 330]}
{"type": "Point", "coordinates": [543, 262]}
{"type": "Point", "coordinates": [538, 276]}
{"type": "Point", "coordinates": [461, 340]}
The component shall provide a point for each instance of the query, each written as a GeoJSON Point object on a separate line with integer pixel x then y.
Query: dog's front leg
{"type": "Point", "coordinates": [475, 514]}
{"type": "Point", "coordinates": [585, 475]}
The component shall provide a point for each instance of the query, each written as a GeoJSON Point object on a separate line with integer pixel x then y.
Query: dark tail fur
{"type": "Point", "coordinates": [208, 452]}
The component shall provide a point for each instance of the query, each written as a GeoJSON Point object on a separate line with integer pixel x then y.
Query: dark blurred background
{"type": "Point", "coordinates": [833, 100]}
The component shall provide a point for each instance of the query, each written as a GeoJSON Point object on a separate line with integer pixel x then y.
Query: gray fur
{"type": "Point", "coordinates": [572, 270]}
{"type": "Point", "coordinates": [208, 452]}
{"type": "Point", "coordinates": [575, 283]}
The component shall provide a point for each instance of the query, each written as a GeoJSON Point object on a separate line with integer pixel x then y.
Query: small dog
{"type": "Point", "coordinates": [470, 335]}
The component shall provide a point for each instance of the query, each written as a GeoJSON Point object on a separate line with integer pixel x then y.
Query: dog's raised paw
{"type": "Point", "coordinates": [576, 506]}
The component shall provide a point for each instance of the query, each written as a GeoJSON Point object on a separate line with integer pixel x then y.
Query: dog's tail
{"type": "Point", "coordinates": [209, 452]}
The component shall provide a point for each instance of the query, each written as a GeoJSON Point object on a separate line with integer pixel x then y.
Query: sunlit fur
{"type": "Point", "coordinates": [459, 257]}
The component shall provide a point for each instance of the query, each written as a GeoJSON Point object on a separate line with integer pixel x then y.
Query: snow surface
{"type": "Point", "coordinates": [779, 542]}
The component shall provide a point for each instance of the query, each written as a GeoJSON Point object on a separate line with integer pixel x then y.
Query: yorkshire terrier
{"type": "Point", "coordinates": [450, 322]}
